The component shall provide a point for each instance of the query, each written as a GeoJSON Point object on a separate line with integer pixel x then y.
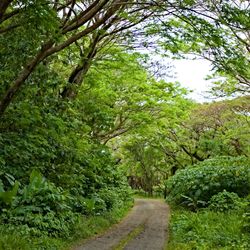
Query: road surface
{"type": "Point", "coordinates": [144, 228]}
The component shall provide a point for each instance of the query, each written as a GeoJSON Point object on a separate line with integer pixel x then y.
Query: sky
{"type": "Point", "coordinates": [191, 74]}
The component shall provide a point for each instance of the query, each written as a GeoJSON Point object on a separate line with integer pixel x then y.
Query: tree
{"type": "Point", "coordinates": [147, 153]}
{"type": "Point", "coordinates": [198, 132]}
{"type": "Point", "coordinates": [215, 30]}
{"type": "Point", "coordinates": [225, 127]}
{"type": "Point", "coordinates": [124, 96]}
{"type": "Point", "coordinates": [65, 24]}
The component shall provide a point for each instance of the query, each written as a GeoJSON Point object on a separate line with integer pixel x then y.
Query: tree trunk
{"type": "Point", "coordinates": [12, 90]}
{"type": "Point", "coordinates": [4, 4]}
{"type": "Point", "coordinates": [48, 49]}
{"type": "Point", "coordinates": [78, 74]}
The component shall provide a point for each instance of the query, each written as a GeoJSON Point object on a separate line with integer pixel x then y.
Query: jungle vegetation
{"type": "Point", "coordinates": [87, 115]}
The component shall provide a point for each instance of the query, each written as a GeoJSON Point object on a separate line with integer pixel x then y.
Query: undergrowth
{"type": "Point", "coordinates": [206, 230]}
{"type": "Point", "coordinates": [14, 237]}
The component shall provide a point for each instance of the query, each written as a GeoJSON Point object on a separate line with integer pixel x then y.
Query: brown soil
{"type": "Point", "coordinates": [145, 228]}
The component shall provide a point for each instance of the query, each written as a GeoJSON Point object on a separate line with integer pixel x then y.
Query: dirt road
{"type": "Point", "coordinates": [144, 228]}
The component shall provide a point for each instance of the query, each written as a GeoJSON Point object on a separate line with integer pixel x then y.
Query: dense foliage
{"type": "Point", "coordinates": [215, 195]}
{"type": "Point", "coordinates": [207, 230]}
{"type": "Point", "coordinates": [212, 135]}
{"type": "Point", "coordinates": [82, 113]}
{"type": "Point", "coordinates": [196, 185]}
{"type": "Point", "coordinates": [55, 164]}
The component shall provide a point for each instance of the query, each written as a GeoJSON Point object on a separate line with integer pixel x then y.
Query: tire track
{"type": "Point", "coordinates": [152, 214]}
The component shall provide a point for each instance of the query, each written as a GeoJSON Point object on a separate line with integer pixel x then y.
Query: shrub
{"type": "Point", "coordinates": [246, 224]}
{"type": "Point", "coordinates": [41, 208]}
{"type": "Point", "coordinates": [41, 196]}
{"type": "Point", "coordinates": [38, 225]}
{"type": "Point", "coordinates": [7, 197]}
{"type": "Point", "coordinates": [225, 161]}
{"type": "Point", "coordinates": [110, 197]}
{"type": "Point", "coordinates": [225, 201]}
{"type": "Point", "coordinates": [199, 183]}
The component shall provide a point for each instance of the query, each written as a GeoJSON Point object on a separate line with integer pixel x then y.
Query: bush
{"type": "Point", "coordinates": [41, 196]}
{"type": "Point", "coordinates": [40, 208]}
{"type": "Point", "coordinates": [225, 201]}
{"type": "Point", "coordinates": [35, 224]}
{"type": "Point", "coordinates": [246, 224]}
{"type": "Point", "coordinates": [199, 183]}
{"type": "Point", "coordinates": [110, 197]}
{"type": "Point", "coordinates": [225, 161]}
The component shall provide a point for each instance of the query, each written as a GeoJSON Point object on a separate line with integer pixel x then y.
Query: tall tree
{"type": "Point", "coordinates": [217, 31]}
{"type": "Point", "coordinates": [68, 22]}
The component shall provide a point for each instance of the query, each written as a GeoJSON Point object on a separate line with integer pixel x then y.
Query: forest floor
{"type": "Point", "coordinates": [145, 227]}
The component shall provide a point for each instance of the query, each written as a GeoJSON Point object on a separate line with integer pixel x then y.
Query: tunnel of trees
{"type": "Point", "coordinates": [84, 113]}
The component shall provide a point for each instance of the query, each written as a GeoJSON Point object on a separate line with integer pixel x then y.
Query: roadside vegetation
{"type": "Point", "coordinates": [211, 208]}
{"type": "Point", "coordinates": [206, 229]}
{"type": "Point", "coordinates": [81, 227]}
{"type": "Point", "coordinates": [86, 119]}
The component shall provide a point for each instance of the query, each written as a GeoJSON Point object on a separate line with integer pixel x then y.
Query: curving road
{"type": "Point", "coordinates": [145, 228]}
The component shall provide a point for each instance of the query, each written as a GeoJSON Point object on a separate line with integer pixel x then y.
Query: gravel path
{"type": "Point", "coordinates": [144, 228]}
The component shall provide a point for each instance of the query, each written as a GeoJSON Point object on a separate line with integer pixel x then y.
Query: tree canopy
{"type": "Point", "coordinates": [84, 117]}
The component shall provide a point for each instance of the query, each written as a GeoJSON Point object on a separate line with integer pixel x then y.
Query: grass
{"type": "Point", "coordinates": [206, 230]}
{"type": "Point", "coordinates": [91, 226]}
{"type": "Point", "coordinates": [129, 237]}
{"type": "Point", "coordinates": [17, 239]}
